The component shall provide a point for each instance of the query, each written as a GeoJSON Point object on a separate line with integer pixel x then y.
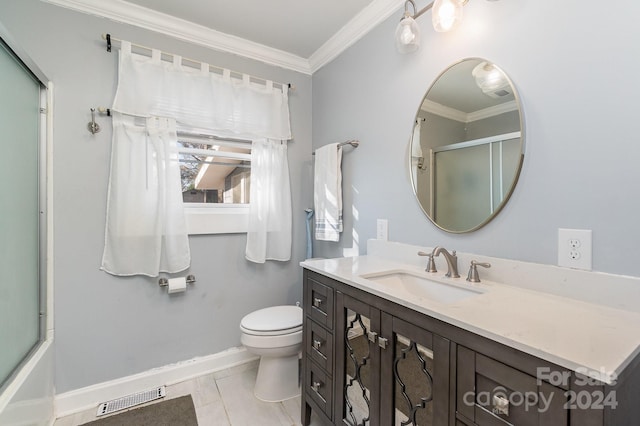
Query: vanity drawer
{"type": "Point", "coordinates": [493, 393]}
{"type": "Point", "coordinates": [319, 303]}
{"type": "Point", "coordinates": [319, 387]}
{"type": "Point", "coordinates": [319, 345]}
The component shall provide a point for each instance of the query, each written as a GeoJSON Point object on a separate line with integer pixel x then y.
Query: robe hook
{"type": "Point", "coordinates": [93, 126]}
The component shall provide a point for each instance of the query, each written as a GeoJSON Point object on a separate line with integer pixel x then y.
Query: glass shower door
{"type": "Point", "coordinates": [20, 273]}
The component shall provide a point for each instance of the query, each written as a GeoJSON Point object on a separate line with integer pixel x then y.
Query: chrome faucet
{"type": "Point", "coordinates": [452, 261]}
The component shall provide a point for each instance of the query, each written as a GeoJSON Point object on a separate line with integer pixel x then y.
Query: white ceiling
{"type": "Point", "coordinates": [296, 26]}
{"type": "Point", "coordinates": [302, 35]}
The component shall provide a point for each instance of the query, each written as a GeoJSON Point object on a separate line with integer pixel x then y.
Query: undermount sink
{"type": "Point", "coordinates": [409, 284]}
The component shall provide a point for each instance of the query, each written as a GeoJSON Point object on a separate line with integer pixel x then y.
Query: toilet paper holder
{"type": "Point", "coordinates": [165, 281]}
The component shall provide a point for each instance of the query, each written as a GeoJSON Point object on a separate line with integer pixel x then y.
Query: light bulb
{"type": "Point", "coordinates": [446, 14]}
{"type": "Point", "coordinates": [407, 35]}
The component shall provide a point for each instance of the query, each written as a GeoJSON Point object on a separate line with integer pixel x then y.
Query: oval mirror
{"type": "Point", "coordinates": [467, 146]}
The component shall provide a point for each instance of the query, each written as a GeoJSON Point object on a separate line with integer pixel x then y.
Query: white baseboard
{"type": "Point", "coordinates": [85, 398]}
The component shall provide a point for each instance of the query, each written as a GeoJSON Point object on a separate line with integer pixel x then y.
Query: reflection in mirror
{"type": "Point", "coordinates": [357, 383]}
{"type": "Point", "coordinates": [467, 146]}
{"type": "Point", "coordinates": [412, 370]}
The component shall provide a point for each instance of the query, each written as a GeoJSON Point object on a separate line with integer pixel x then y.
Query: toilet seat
{"type": "Point", "coordinates": [273, 321]}
{"type": "Point", "coordinates": [271, 332]}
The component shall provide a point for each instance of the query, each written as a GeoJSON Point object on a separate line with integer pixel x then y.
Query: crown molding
{"type": "Point", "coordinates": [444, 111]}
{"type": "Point", "coordinates": [492, 111]}
{"type": "Point", "coordinates": [128, 13]}
{"type": "Point", "coordinates": [462, 117]}
{"type": "Point", "coordinates": [354, 30]}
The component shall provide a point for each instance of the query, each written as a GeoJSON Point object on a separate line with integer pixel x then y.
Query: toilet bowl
{"type": "Point", "coordinates": [275, 334]}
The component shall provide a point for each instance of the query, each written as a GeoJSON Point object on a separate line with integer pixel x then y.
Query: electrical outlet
{"type": "Point", "coordinates": [574, 248]}
{"type": "Point", "coordinates": [382, 229]}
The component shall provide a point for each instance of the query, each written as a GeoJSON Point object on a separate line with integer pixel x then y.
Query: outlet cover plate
{"type": "Point", "coordinates": [382, 229]}
{"type": "Point", "coordinates": [574, 248]}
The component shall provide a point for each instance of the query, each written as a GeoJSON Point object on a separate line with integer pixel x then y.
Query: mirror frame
{"type": "Point", "coordinates": [518, 170]}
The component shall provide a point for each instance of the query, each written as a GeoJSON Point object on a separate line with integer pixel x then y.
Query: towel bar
{"type": "Point", "coordinates": [354, 143]}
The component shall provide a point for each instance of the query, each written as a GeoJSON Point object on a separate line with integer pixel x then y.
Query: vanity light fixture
{"type": "Point", "coordinates": [446, 16]}
{"type": "Point", "coordinates": [407, 31]}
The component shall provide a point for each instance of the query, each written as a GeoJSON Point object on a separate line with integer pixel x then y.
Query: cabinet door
{"type": "Point", "coordinates": [357, 362]}
{"type": "Point", "coordinates": [414, 375]}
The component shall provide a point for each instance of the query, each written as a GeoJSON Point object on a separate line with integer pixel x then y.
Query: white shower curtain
{"type": "Point", "coordinates": [145, 230]}
{"type": "Point", "coordinates": [269, 235]}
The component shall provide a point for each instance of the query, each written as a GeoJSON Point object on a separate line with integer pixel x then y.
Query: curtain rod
{"type": "Point", "coordinates": [110, 40]}
{"type": "Point", "coordinates": [197, 133]}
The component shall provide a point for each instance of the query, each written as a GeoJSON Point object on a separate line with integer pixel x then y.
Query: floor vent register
{"type": "Point", "coordinates": [131, 401]}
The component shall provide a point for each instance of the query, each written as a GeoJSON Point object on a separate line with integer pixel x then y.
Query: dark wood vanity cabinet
{"type": "Point", "coordinates": [367, 366]}
{"type": "Point", "coordinates": [370, 361]}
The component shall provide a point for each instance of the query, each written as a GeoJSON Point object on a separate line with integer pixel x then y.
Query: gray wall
{"type": "Point", "coordinates": [577, 74]}
{"type": "Point", "coordinates": [108, 327]}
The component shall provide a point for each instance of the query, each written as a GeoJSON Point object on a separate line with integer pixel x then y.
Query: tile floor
{"type": "Point", "coordinates": [222, 398]}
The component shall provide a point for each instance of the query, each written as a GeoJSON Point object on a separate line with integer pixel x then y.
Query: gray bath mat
{"type": "Point", "coordinates": [171, 412]}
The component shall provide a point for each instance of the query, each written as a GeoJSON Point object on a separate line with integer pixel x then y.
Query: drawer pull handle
{"type": "Point", "coordinates": [316, 386]}
{"type": "Point", "coordinates": [317, 344]}
{"type": "Point", "coordinates": [317, 302]}
{"type": "Point", "coordinates": [382, 342]}
{"type": "Point", "coordinates": [500, 405]}
{"type": "Point", "coordinates": [373, 336]}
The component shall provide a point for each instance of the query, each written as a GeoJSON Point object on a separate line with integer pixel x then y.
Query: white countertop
{"type": "Point", "coordinates": [586, 337]}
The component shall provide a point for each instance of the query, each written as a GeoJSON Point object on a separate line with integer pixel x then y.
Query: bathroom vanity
{"type": "Point", "coordinates": [386, 343]}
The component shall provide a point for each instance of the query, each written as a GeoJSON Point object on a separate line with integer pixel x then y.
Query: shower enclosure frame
{"type": "Point", "coordinates": [27, 393]}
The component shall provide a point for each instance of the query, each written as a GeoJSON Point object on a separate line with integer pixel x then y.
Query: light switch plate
{"type": "Point", "coordinates": [574, 248]}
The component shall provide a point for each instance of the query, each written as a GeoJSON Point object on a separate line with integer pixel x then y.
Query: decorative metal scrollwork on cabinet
{"type": "Point", "coordinates": [356, 389]}
{"type": "Point", "coordinates": [414, 383]}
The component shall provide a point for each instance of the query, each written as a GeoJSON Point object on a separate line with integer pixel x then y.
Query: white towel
{"type": "Point", "coordinates": [416, 146]}
{"type": "Point", "coordinates": [327, 192]}
{"type": "Point", "coordinates": [416, 151]}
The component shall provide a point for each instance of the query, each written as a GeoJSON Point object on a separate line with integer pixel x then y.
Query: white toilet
{"type": "Point", "coordinates": [275, 334]}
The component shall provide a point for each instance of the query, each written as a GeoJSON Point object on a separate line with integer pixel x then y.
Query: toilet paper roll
{"type": "Point", "coordinates": [177, 285]}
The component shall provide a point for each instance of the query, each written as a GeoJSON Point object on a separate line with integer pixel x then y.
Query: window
{"type": "Point", "coordinates": [216, 182]}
